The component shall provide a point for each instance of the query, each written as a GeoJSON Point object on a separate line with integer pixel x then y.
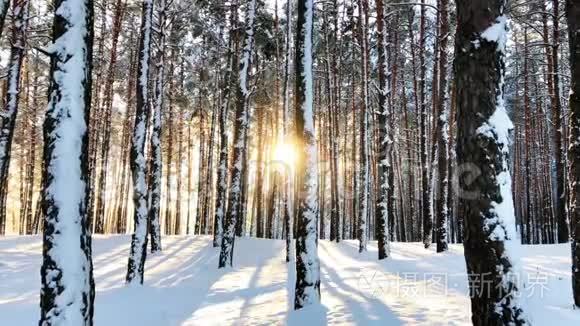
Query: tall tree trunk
{"type": "Point", "coordinates": [222, 181]}
{"type": "Point", "coordinates": [442, 132]}
{"type": "Point", "coordinates": [561, 190]}
{"type": "Point", "coordinates": [209, 179]}
{"type": "Point", "coordinates": [68, 289]}
{"type": "Point", "coordinates": [243, 206]}
{"type": "Point", "coordinates": [31, 173]}
{"type": "Point", "coordinates": [385, 168]}
{"type": "Point", "coordinates": [307, 290]}
{"type": "Point", "coordinates": [286, 192]}
{"type": "Point", "coordinates": [177, 221]}
{"type": "Point", "coordinates": [156, 156]}
{"type": "Point", "coordinates": [97, 116]}
{"type": "Point", "coordinates": [169, 126]}
{"type": "Point", "coordinates": [136, 265]}
{"type": "Point", "coordinates": [25, 184]}
{"type": "Point", "coordinates": [527, 213]}
{"type": "Point", "coordinates": [108, 109]}
{"type": "Point", "coordinates": [121, 218]}
{"type": "Point", "coordinates": [573, 15]}
{"type": "Point", "coordinates": [364, 177]}
{"type": "Point", "coordinates": [272, 207]}
{"type": "Point", "coordinates": [355, 175]}
{"type": "Point", "coordinates": [201, 173]}
{"type": "Point", "coordinates": [418, 216]}
{"type": "Point", "coordinates": [189, 175]}
{"type": "Point", "coordinates": [10, 109]}
{"type": "Point", "coordinates": [483, 135]}
{"type": "Point", "coordinates": [330, 72]}
{"type": "Point", "coordinates": [241, 125]}
{"type": "Point", "coordinates": [222, 172]}
{"type": "Point", "coordinates": [259, 189]}
{"type": "Point", "coordinates": [425, 189]}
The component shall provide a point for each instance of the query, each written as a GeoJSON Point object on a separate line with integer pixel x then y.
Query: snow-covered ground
{"type": "Point", "coordinates": [183, 286]}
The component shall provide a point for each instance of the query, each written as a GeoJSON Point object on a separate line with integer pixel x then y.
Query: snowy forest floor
{"type": "Point", "coordinates": [183, 286]}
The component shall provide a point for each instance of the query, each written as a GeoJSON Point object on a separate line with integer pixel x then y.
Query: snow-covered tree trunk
{"type": "Point", "coordinates": [307, 290]}
{"type": "Point", "coordinates": [483, 128]}
{"type": "Point", "coordinates": [384, 157]}
{"type": "Point", "coordinates": [68, 288]}
{"type": "Point", "coordinates": [222, 172]}
{"type": "Point", "coordinates": [425, 188]}
{"type": "Point", "coordinates": [243, 201]}
{"type": "Point", "coordinates": [241, 125]}
{"type": "Point", "coordinates": [156, 156]}
{"type": "Point", "coordinates": [415, 206]}
{"type": "Point", "coordinates": [286, 204]}
{"type": "Point", "coordinates": [136, 266]}
{"type": "Point", "coordinates": [10, 109]}
{"type": "Point", "coordinates": [557, 131]}
{"type": "Point", "coordinates": [330, 71]}
{"type": "Point", "coordinates": [364, 175]}
{"type": "Point", "coordinates": [442, 132]}
{"type": "Point", "coordinates": [573, 15]}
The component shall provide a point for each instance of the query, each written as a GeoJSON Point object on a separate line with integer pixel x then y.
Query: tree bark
{"type": "Point", "coordinates": [240, 131]}
{"type": "Point", "coordinates": [561, 189]}
{"type": "Point", "coordinates": [385, 168]}
{"type": "Point", "coordinates": [364, 182]}
{"type": "Point", "coordinates": [10, 109]}
{"type": "Point", "coordinates": [157, 162]}
{"type": "Point", "coordinates": [441, 208]}
{"type": "Point", "coordinates": [68, 289]}
{"type": "Point", "coordinates": [136, 265]}
{"type": "Point", "coordinates": [483, 135]}
{"type": "Point", "coordinates": [287, 190]}
{"type": "Point", "coordinates": [307, 289]}
{"type": "Point", "coordinates": [573, 15]}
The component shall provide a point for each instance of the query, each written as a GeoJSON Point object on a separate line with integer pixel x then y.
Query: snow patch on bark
{"type": "Point", "coordinates": [497, 33]}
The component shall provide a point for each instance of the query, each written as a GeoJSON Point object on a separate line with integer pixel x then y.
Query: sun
{"type": "Point", "coordinates": [284, 153]}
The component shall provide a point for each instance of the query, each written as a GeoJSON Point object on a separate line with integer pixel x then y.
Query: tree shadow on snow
{"type": "Point", "coordinates": [355, 306]}
{"type": "Point", "coordinates": [163, 299]}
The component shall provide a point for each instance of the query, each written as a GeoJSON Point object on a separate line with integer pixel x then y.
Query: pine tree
{"type": "Point", "coordinates": [10, 110]}
{"type": "Point", "coordinates": [573, 15]}
{"type": "Point", "coordinates": [235, 205]}
{"type": "Point", "coordinates": [261, 147]}
{"type": "Point", "coordinates": [31, 219]}
{"type": "Point", "coordinates": [385, 151]}
{"type": "Point", "coordinates": [561, 189]}
{"type": "Point", "coordinates": [483, 128]}
{"type": "Point", "coordinates": [155, 174]}
{"type": "Point", "coordinates": [422, 103]}
{"type": "Point", "coordinates": [307, 290]}
{"type": "Point", "coordinates": [108, 118]}
{"type": "Point", "coordinates": [68, 288]}
{"type": "Point", "coordinates": [222, 172]}
{"type": "Point", "coordinates": [364, 166]}
{"type": "Point", "coordinates": [286, 204]}
{"type": "Point", "coordinates": [136, 266]}
{"type": "Point", "coordinates": [442, 133]}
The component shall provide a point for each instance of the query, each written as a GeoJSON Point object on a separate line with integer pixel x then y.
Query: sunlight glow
{"type": "Point", "coordinates": [284, 153]}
